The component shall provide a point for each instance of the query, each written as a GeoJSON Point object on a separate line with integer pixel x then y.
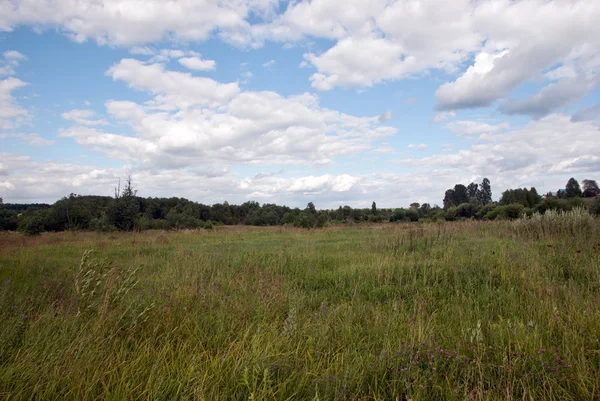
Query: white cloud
{"type": "Point", "coordinates": [82, 117]}
{"type": "Point", "coordinates": [11, 114]}
{"type": "Point", "coordinates": [173, 88]}
{"type": "Point", "coordinates": [269, 64]}
{"type": "Point", "coordinates": [443, 116]}
{"type": "Point", "coordinates": [417, 146]}
{"type": "Point", "coordinates": [545, 153]}
{"type": "Point", "coordinates": [13, 55]}
{"type": "Point", "coordinates": [512, 42]}
{"type": "Point", "coordinates": [386, 116]}
{"type": "Point", "coordinates": [10, 60]}
{"type": "Point", "coordinates": [586, 113]}
{"type": "Point", "coordinates": [192, 119]}
{"type": "Point", "coordinates": [129, 22]}
{"type": "Point", "coordinates": [196, 63]}
{"type": "Point", "coordinates": [31, 139]}
{"type": "Point", "coordinates": [384, 150]}
{"type": "Point", "coordinates": [142, 51]}
{"type": "Point", "coordinates": [549, 98]}
{"type": "Point", "coordinates": [466, 127]}
{"type": "Point", "coordinates": [373, 42]}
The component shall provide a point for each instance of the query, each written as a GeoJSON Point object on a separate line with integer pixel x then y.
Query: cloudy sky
{"type": "Point", "coordinates": [335, 102]}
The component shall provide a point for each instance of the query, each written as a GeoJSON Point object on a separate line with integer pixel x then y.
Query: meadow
{"type": "Point", "coordinates": [470, 310]}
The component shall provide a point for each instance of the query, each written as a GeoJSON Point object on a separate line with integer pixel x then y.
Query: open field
{"type": "Point", "coordinates": [456, 311]}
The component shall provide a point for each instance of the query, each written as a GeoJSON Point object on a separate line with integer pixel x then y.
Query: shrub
{"type": "Point", "coordinates": [510, 212]}
{"type": "Point", "coordinates": [398, 215]}
{"type": "Point", "coordinates": [102, 224]}
{"type": "Point", "coordinates": [32, 224]}
{"type": "Point", "coordinates": [451, 213]}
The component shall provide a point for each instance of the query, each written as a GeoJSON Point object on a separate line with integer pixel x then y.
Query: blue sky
{"type": "Point", "coordinates": [325, 101]}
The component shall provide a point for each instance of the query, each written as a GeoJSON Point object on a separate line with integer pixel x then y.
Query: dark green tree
{"type": "Point", "coordinates": [472, 191]}
{"type": "Point", "coordinates": [590, 188]}
{"type": "Point", "coordinates": [485, 191]}
{"type": "Point", "coordinates": [572, 189]}
{"type": "Point", "coordinates": [374, 209]}
{"type": "Point", "coordinates": [449, 199]}
{"type": "Point", "coordinates": [460, 194]}
{"type": "Point", "coordinates": [124, 210]}
{"type": "Point", "coordinates": [425, 209]}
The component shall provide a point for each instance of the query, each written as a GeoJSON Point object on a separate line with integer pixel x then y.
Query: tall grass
{"type": "Point", "coordinates": [454, 311]}
{"type": "Point", "coordinates": [575, 222]}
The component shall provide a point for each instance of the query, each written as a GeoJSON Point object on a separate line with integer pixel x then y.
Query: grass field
{"type": "Point", "coordinates": [449, 311]}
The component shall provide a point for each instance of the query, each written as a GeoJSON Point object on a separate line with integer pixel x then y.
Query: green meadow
{"type": "Point", "coordinates": [411, 311]}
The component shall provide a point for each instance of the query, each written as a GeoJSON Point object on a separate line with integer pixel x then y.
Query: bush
{"type": "Point", "coordinates": [483, 211]}
{"type": "Point", "coordinates": [102, 224]}
{"type": "Point", "coordinates": [510, 212]}
{"type": "Point", "coordinates": [32, 224]}
{"type": "Point", "coordinates": [412, 215]}
{"type": "Point", "coordinates": [553, 204]}
{"type": "Point", "coordinates": [398, 215]}
{"type": "Point", "coordinates": [451, 213]}
{"type": "Point", "coordinates": [321, 220]}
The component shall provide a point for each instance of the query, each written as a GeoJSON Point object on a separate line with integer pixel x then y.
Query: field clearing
{"type": "Point", "coordinates": [455, 311]}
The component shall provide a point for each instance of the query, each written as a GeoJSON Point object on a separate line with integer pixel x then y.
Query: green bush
{"type": "Point", "coordinates": [32, 224]}
{"type": "Point", "coordinates": [507, 212]}
{"type": "Point", "coordinates": [102, 224]}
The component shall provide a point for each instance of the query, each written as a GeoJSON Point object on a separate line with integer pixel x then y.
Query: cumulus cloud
{"type": "Point", "coordinates": [508, 43]}
{"type": "Point", "coordinates": [417, 146]}
{"type": "Point", "coordinates": [443, 116]}
{"type": "Point", "coordinates": [174, 89]}
{"type": "Point", "coordinates": [586, 113]}
{"type": "Point", "coordinates": [269, 64]}
{"type": "Point", "coordinates": [503, 43]}
{"type": "Point", "coordinates": [545, 153]}
{"type": "Point", "coordinates": [466, 127]}
{"type": "Point", "coordinates": [10, 60]}
{"type": "Point", "coordinates": [549, 98]}
{"type": "Point", "coordinates": [386, 116]}
{"type": "Point", "coordinates": [12, 115]}
{"type": "Point", "coordinates": [126, 22]}
{"type": "Point", "coordinates": [31, 139]}
{"type": "Point", "coordinates": [82, 117]}
{"type": "Point", "coordinates": [191, 119]}
{"type": "Point", "coordinates": [196, 63]}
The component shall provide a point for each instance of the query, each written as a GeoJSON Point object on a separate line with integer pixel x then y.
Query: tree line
{"type": "Point", "coordinates": [126, 211]}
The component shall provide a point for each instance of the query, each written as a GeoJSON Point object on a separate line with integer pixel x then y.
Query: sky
{"type": "Point", "coordinates": [338, 102]}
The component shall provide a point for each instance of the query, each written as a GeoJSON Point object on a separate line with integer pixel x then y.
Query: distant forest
{"type": "Point", "coordinates": [126, 211]}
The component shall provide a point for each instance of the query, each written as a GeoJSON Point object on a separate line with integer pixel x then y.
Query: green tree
{"type": "Point", "coordinates": [472, 191]}
{"type": "Point", "coordinates": [124, 210]}
{"type": "Point", "coordinates": [449, 199]}
{"type": "Point", "coordinates": [460, 194]}
{"type": "Point", "coordinates": [485, 191]}
{"type": "Point", "coordinates": [590, 188]}
{"type": "Point", "coordinates": [415, 205]}
{"type": "Point", "coordinates": [311, 208]}
{"type": "Point", "coordinates": [374, 209]}
{"type": "Point", "coordinates": [572, 189]}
